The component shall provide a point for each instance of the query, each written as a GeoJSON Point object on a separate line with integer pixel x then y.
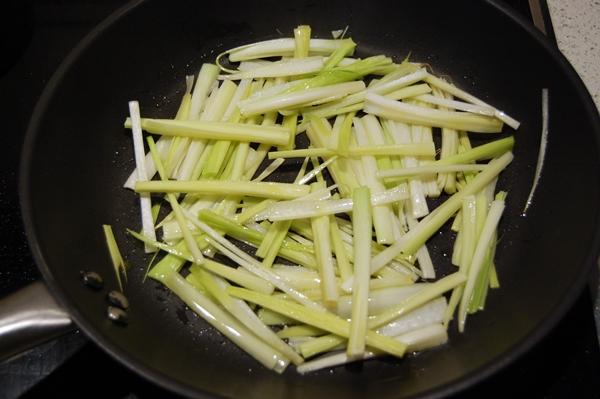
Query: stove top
{"type": "Point", "coordinates": [39, 35]}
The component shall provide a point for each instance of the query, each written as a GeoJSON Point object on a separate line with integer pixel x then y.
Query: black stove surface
{"type": "Point", "coordinates": [35, 37]}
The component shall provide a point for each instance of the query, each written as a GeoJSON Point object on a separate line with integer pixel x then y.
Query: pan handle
{"type": "Point", "coordinates": [29, 317]}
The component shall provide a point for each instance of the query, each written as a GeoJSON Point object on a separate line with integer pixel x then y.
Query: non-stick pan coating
{"type": "Point", "coordinates": [77, 155]}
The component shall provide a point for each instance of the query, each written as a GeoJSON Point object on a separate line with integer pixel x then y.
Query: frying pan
{"type": "Point", "coordinates": [76, 155]}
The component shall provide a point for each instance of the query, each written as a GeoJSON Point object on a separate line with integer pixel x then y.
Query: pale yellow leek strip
{"type": "Point", "coordinates": [363, 231]}
{"type": "Point", "coordinates": [252, 189]}
{"type": "Point", "coordinates": [115, 254]}
{"type": "Point", "coordinates": [414, 149]}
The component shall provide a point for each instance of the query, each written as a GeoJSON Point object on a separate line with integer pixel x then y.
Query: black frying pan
{"type": "Point", "coordinates": [76, 155]}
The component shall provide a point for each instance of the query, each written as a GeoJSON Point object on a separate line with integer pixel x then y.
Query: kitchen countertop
{"type": "Point", "coordinates": [576, 26]}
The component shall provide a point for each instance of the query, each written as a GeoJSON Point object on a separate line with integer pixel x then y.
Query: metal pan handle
{"type": "Point", "coordinates": [29, 317]}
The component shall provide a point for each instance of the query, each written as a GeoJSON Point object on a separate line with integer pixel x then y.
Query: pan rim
{"type": "Point", "coordinates": [180, 387]}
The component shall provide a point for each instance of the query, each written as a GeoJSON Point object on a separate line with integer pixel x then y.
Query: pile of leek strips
{"type": "Point", "coordinates": [339, 269]}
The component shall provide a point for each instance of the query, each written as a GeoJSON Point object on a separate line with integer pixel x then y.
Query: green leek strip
{"type": "Point", "coordinates": [415, 149]}
{"type": "Point", "coordinates": [401, 112]}
{"type": "Point", "coordinates": [341, 256]}
{"type": "Point", "coordinates": [236, 275]}
{"type": "Point", "coordinates": [429, 169]}
{"type": "Point", "coordinates": [300, 331]}
{"type": "Point", "coordinates": [399, 83]}
{"type": "Point", "coordinates": [241, 188]}
{"type": "Point", "coordinates": [225, 323]}
{"type": "Point", "coordinates": [289, 100]}
{"type": "Point", "coordinates": [375, 134]}
{"type": "Point", "coordinates": [271, 318]}
{"type": "Point", "coordinates": [347, 47]}
{"type": "Point", "coordinates": [408, 92]}
{"type": "Point", "coordinates": [301, 41]}
{"type": "Point", "coordinates": [289, 250]}
{"type": "Point", "coordinates": [217, 288]}
{"type": "Point", "coordinates": [415, 238]}
{"type": "Point", "coordinates": [251, 211]}
{"type": "Point", "coordinates": [363, 232]}
{"type": "Point", "coordinates": [320, 344]}
{"type": "Point", "coordinates": [485, 151]}
{"type": "Point", "coordinates": [216, 130]}
{"type": "Point", "coordinates": [187, 235]}
{"type": "Point", "coordinates": [290, 122]}
{"type": "Point", "coordinates": [322, 244]}
{"type": "Point", "coordinates": [320, 319]}
{"type": "Point", "coordinates": [273, 242]}
{"type": "Point", "coordinates": [343, 143]}
{"type": "Point", "coordinates": [115, 254]}
{"type": "Point", "coordinates": [478, 259]}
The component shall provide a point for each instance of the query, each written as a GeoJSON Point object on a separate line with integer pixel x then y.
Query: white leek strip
{"type": "Point", "coordinates": [300, 209]}
{"type": "Point", "coordinates": [225, 323]}
{"type": "Point", "coordinates": [140, 161]}
{"type": "Point", "coordinates": [322, 245]}
{"type": "Point", "coordinates": [455, 91]}
{"type": "Point", "coordinates": [288, 100]}
{"type": "Point", "coordinates": [417, 340]}
{"type": "Point", "coordinates": [363, 232]}
{"type": "Point", "coordinates": [269, 170]}
{"type": "Point", "coordinates": [379, 299]}
{"type": "Point", "coordinates": [217, 287]}
{"type": "Point", "coordinates": [425, 263]}
{"type": "Point", "coordinates": [300, 278]}
{"type": "Point", "coordinates": [430, 313]}
{"type": "Point", "coordinates": [479, 257]}
{"type": "Point", "coordinates": [407, 113]}
{"type": "Point", "coordinates": [382, 214]}
{"type": "Point", "coordinates": [395, 84]}
{"type": "Point", "coordinates": [251, 264]}
{"type": "Point", "coordinates": [320, 319]}
{"type": "Point", "coordinates": [541, 152]}
{"type": "Point", "coordinates": [429, 170]}
{"type": "Point", "coordinates": [458, 105]}
{"type": "Point", "coordinates": [115, 255]}
{"type": "Point", "coordinates": [249, 65]}
{"type": "Point", "coordinates": [292, 67]}
{"type": "Point", "coordinates": [415, 238]}
{"type": "Point", "coordinates": [240, 188]}
{"type": "Point", "coordinates": [279, 48]}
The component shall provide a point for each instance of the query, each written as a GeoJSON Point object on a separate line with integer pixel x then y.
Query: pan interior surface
{"type": "Point", "coordinates": [79, 155]}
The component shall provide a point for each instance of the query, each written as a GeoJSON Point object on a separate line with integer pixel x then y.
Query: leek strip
{"type": "Point", "coordinates": [288, 100]}
{"type": "Point", "coordinates": [363, 231]}
{"type": "Point", "coordinates": [240, 188]}
{"type": "Point", "coordinates": [239, 276]}
{"type": "Point", "coordinates": [271, 318]}
{"type": "Point", "coordinates": [409, 92]}
{"type": "Point", "coordinates": [395, 84]}
{"type": "Point", "coordinates": [347, 47]}
{"type": "Point", "coordinates": [341, 256]}
{"type": "Point", "coordinates": [279, 48]}
{"type": "Point", "coordinates": [115, 255]}
{"type": "Point", "coordinates": [343, 143]}
{"type": "Point", "coordinates": [423, 338]}
{"type": "Point", "coordinates": [415, 238]}
{"type": "Point", "coordinates": [478, 258]}
{"type": "Point", "coordinates": [541, 152]}
{"type": "Point", "coordinates": [251, 211]}
{"type": "Point", "coordinates": [484, 151]}
{"type": "Point", "coordinates": [315, 172]}
{"type": "Point", "coordinates": [320, 319]}
{"type": "Point", "coordinates": [430, 313]}
{"type": "Point", "coordinates": [250, 264]}
{"type": "Point", "coordinates": [455, 91]}
{"type": "Point", "coordinates": [269, 170]}
{"type": "Point", "coordinates": [322, 245]}
{"type": "Point", "coordinates": [425, 263]}
{"type": "Point", "coordinates": [140, 161]}
{"type": "Point", "coordinates": [401, 112]}
{"type": "Point", "coordinates": [283, 68]}
{"type": "Point", "coordinates": [187, 235]}
{"type": "Point", "coordinates": [459, 105]}
{"type": "Point", "coordinates": [216, 130]}
{"type": "Point", "coordinates": [300, 331]}
{"type": "Point", "coordinates": [301, 41]}
{"type": "Point", "coordinates": [379, 300]}
{"type": "Point", "coordinates": [300, 209]}
{"type": "Point", "coordinates": [417, 149]}
{"type": "Point", "coordinates": [226, 324]}
{"type": "Point", "coordinates": [430, 169]}
{"type": "Point", "coordinates": [206, 78]}
{"type": "Point", "coordinates": [382, 214]}
{"type": "Point", "coordinates": [217, 288]}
